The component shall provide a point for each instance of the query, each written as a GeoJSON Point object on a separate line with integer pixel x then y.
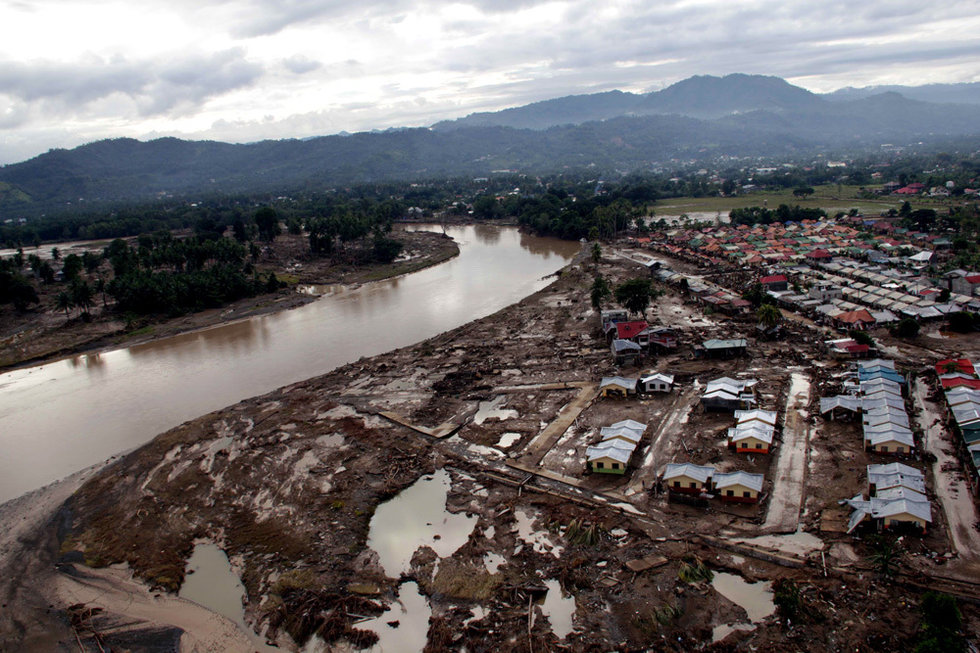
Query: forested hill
{"type": "Point", "coordinates": [783, 121]}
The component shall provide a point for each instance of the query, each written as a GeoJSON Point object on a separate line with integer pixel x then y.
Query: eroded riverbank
{"type": "Point", "coordinates": [288, 484]}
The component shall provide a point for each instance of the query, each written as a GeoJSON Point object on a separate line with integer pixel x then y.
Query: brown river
{"type": "Point", "coordinates": [58, 418]}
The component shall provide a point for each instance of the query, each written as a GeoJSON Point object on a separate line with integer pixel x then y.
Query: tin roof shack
{"type": "Point", "coordinates": [656, 382]}
{"type": "Point", "coordinates": [841, 407]}
{"type": "Point", "coordinates": [687, 478]}
{"type": "Point", "coordinates": [739, 487]}
{"type": "Point", "coordinates": [626, 352]}
{"type": "Point", "coordinates": [617, 387]}
{"type": "Point", "coordinates": [715, 348]}
{"type": "Point", "coordinates": [609, 457]}
{"type": "Point", "coordinates": [729, 394]}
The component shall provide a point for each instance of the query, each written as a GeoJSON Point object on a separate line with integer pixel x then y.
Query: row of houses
{"type": "Point", "coordinates": [705, 481]}
{"type": "Point", "coordinates": [616, 446]}
{"type": "Point", "coordinates": [876, 394]}
{"type": "Point", "coordinates": [896, 500]}
{"type": "Point", "coordinates": [958, 378]}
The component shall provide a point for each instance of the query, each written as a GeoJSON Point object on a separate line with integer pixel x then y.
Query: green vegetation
{"type": "Point", "coordinates": [939, 629]}
{"type": "Point", "coordinates": [906, 328]}
{"type": "Point", "coordinates": [635, 295]}
{"type": "Point", "coordinates": [693, 570]}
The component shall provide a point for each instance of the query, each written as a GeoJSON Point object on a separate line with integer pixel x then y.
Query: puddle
{"type": "Point", "coordinates": [493, 410]}
{"type": "Point", "coordinates": [417, 516]}
{"type": "Point", "coordinates": [558, 608]}
{"type": "Point", "coordinates": [214, 585]}
{"type": "Point", "coordinates": [719, 633]}
{"type": "Point", "coordinates": [412, 611]}
{"type": "Point", "coordinates": [754, 598]}
{"type": "Point", "coordinates": [538, 539]}
{"type": "Point", "coordinates": [507, 440]}
{"type": "Point", "coordinates": [493, 561]}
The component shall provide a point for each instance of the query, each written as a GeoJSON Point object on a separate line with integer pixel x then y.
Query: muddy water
{"type": "Point", "coordinates": [58, 418]}
{"type": "Point", "coordinates": [559, 609]}
{"type": "Point", "coordinates": [754, 598]}
{"type": "Point", "coordinates": [417, 516]}
{"type": "Point", "coordinates": [212, 583]}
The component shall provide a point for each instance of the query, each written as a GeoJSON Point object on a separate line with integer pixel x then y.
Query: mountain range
{"type": "Point", "coordinates": [698, 118]}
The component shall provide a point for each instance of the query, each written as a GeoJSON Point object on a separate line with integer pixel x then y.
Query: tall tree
{"type": "Point", "coordinates": [267, 221]}
{"type": "Point", "coordinates": [634, 295]}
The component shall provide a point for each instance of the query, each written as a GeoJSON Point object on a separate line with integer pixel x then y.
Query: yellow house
{"type": "Point", "coordinates": [617, 386]}
{"type": "Point", "coordinates": [687, 478]}
{"type": "Point", "coordinates": [739, 487]}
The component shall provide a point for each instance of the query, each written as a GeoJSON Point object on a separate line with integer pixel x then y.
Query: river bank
{"type": "Point", "coordinates": [46, 335]}
{"type": "Point", "coordinates": [287, 483]}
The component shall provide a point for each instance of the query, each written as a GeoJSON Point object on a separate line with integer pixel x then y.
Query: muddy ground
{"type": "Point", "coordinates": [287, 484]}
{"type": "Point", "coordinates": [45, 333]}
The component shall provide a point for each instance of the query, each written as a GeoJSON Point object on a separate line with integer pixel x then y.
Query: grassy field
{"type": "Point", "coordinates": [826, 197]}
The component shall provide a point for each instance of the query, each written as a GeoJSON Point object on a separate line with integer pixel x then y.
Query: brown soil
{"type": "Point", "coordinates": [287, 484]}
{"type": "Point", "coordinates": [44, 333]}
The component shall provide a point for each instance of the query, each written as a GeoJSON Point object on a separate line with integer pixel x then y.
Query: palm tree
{"type": "Point", "coordinates": [64, 303]}
{"type": "Point", "coordinates": [768, 316]}
{"type": "Point", "coordinates": [81, 295]}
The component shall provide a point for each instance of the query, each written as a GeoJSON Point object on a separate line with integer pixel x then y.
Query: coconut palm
{"type": "Point", "coordinates": [768, 316]}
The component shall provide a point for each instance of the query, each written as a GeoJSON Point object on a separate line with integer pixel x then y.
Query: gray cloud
{"type": "Point", "coordinates": [300, 65]}
{"type": "Point", "coordinates": [155, 87]}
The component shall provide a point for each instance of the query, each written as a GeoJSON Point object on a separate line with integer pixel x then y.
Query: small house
{"type": "Point", "coordinates": [891, 475]}
{"type": "Point", "coordinates": [662, 337]}
{"type": "Point", "coordinates": [688, 478]}
{"type": "Point", "coordinates": [656, 382]}
{"type": "Point", "coordinates": [775, 282]}
{"type": "Point", "coordinates": [626, 352]}
{"type": "Point", "coordinates": [751, 438]}
{"type": "Point", "coordinates": [889, 439]}
{"type": "Point", "coordinates": [840, 407]}
{"type": "Point", "coordinates": [716, 348]}
{"type": "Point", "coordinates": [889, 513]}
{"type": "Point", "coordinates": [738, 487]}
{"type": "Point", "coordinates": [622, 433]}
{"type": "Point", "coordinates": [609, 457]}
{"type": "Point", "coordinates": [756, 416]}
{"type": "Point", "coordinates": [617, 386]}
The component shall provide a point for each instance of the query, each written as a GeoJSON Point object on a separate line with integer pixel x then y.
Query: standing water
{"type": "Point", "coordinates": [211, 582]}
{"type": "Point", "coordinates": [417, 517]}
{"type": "Point", "coordinates": [64, 416]}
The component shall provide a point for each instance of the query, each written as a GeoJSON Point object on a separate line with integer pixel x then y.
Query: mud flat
{"type": "Point", "coordinates": [539, 555]}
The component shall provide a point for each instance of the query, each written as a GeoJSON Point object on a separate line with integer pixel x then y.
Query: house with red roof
{"type": "Point", "coordinates": [953, 365]}
{"type": "Point", "coordinates": [860, 319]}
{"type": "Point", "coordinates": [775, 282]}
{"type": "Point", "coordinates": [819, 255]}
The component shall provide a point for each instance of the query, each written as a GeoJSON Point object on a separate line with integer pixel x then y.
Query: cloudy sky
{"type": "Point", "coordinates": [73, 71]}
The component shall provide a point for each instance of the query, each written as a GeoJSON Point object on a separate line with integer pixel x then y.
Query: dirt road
{"type": "Point", "coordinates": [951, 489]}
{"type": "Point", "coordinates": [788, 484]}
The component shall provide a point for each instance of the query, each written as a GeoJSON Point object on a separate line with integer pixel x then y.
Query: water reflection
{"type": "Point", "coordinates": [58, 418]}
{"type": "Point", "coordinates": [487, 234]}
